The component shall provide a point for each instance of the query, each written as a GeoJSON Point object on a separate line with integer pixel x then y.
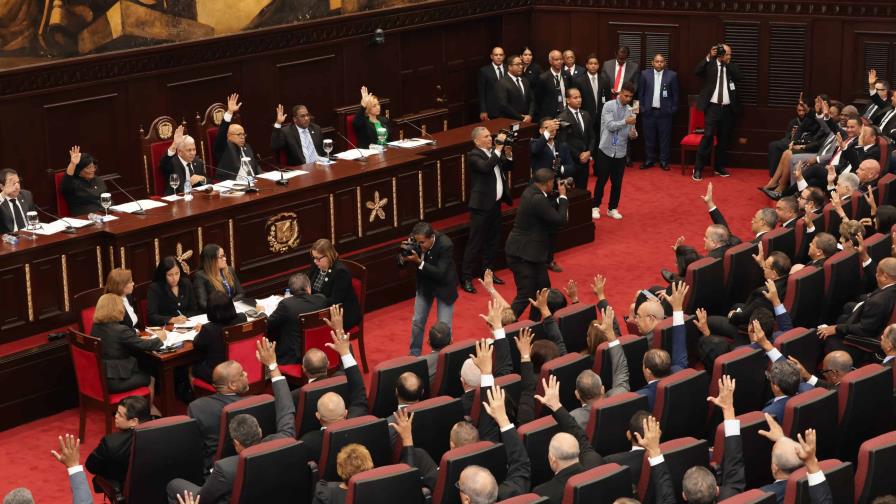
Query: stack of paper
{"type": "Point", "coordinates": [176, 337]}
{"type": "Point", "coordinates": [59, 225]}
{"type": "Point", "coordinates": [410, 143]}
{"type": "Point", "coordinates": [355, 154]}
{"type": "Point", "coordinates": [274, 176]}
{"type": "Point", "coordinates": [270, 303]}
{"type": "Point", "coordinates": [132, 207]}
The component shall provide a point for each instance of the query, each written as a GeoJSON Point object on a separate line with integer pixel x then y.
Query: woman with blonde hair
{"type": "Point", "coordinates": [352, 459]}
{"type": "Point", "coordinates": [215, 275]}
{"type": "Point", "coordinates": [329, 276]}
{"type": "Point", "coordinates": [121, 283]}
{"type": "Point", "coordinates": [370, 127]}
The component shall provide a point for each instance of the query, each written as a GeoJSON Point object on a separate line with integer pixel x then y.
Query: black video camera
{"type": "Point", "coordinates": [408, 248]}
{"type": "Point", "coordinates": [509, 139]}
{"type": "Point", "coordinates": [720, 50]}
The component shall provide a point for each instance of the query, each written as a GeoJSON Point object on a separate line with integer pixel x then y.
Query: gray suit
{"type": "Point", "coordinates": [620, 384]}
{"type": "Point", "coordinates": [80, 490]}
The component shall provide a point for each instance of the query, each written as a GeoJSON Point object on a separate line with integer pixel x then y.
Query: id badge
{"type": "Point", "coordinates": [731, 85]}
{"type": "Point", "coordinates": [665, 93]}
{"type": "Point", "coordinates": [615, 139]}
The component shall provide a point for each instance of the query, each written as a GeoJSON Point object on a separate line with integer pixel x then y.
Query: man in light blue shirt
{"type": "Point", "coordinates": [617, 127]}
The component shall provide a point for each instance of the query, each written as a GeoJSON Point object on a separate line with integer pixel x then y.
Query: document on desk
{"type": "Point", "coordinates": [191, 322]}
{"type": "Point", "coordinates": [355, 154]}
{"type": "Point", "coordinates": [132, 207]}
{"type": "Point", "coordinates": [275, 175]}
{"type": "Point", "coordinates": [177, 337]}
{"type": "Point", "coordinates": [410, 143]}
{"type": "Point", "coordinates": [270, 303]}
{"type": "Point", "coordinates": [59, 225]}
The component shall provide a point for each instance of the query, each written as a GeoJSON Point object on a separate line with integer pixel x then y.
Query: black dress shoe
{"type": "Point", "coordinates": [664, 166]}
{"type": "Point", "coordinates": [496, 280]}
{"type": "Point", "coordinates": [555, 267]}
{"type": "Point", "coordinates": [467, 286]}
{"type": "Point", "coordinates": [647, 165]}
{"type": "Point", "coordinates": [698, 175]}
{"type": "Point", "coordinates": [668, 276]}
{"type": "Point", "coordinates": [722, 172]}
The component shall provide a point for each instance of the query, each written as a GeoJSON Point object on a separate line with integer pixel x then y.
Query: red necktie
{"type": "Point", "coordinates": [618, 78]}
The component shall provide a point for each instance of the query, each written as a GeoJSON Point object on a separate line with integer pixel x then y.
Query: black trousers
{"type": "Point", "coordinates": [775, 151]}
{"type": "Point", "coordinates": [719, 123]}
{"type": "Point", "coordinates": [580, 174]}
{"type": "Point", "coordinates": [612, 169]}
{"type": "Point", "coordinates": [485, 234]}
{"type": "Point", "coordinates": [529, 278]}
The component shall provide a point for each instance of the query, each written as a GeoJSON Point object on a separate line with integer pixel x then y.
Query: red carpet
{"type": "Point", "coordinates": [657, 207]}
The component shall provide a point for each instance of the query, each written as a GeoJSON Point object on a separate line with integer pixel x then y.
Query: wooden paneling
{"type": "Point", "coordinates": [14, 309]}
{"type": "Point", "coordinates": [47, 303]}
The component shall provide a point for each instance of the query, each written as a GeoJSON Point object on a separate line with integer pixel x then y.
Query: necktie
{"type": "Point", "coordinates": [17, 214]}
{"type": "Point", "coordinates": [594, 88]}
{"type": "Point", "coordinates": [500, 74]}
{"type": "Point", "coordinates": [308, 147]}
{"type": "Point", "coordinates": [189, 170]}
{"type": "Point", "coordinates": [579, 120]}
{"type": "Point", "coordinates": [618, 80]}
{"type": "Point", "coordinates": [721, 96]}
{"type": "Point", "coordinates": [557, 81]}
{"type": "Point", "coordinates": [520, 85]}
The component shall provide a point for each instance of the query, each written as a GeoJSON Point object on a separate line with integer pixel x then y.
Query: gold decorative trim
{"type": "Point", "coordinates": [232, 253]}
{"type": "Point", "coordinates": [376, 206]}
{"type": "Point", "coordinates": [394, 202]}
{"type": "Point", "coordinates": [146, 173]}
{"type": "Point", "coordinates": [64, 261]}
{"type": "Point", "coordinates": [358, 198]}
{"type": "Point", "coordinates": [199, 230]}
{"type": "Point", "coordinates": [423, 127]}
{"type": "Point", "coordinates": [155, 243]}
{"type": "Point", "coordinates": [463, 178]}
{"type": "Point", "coordinates": [439, 182]}
{"type": "Point", "coordinates": [121, 253]}
{"type": "Point", "coordinates": [332, 219]}
{"type": "Point", "coordinates": [28, 292]}
{"type": "Point", "coordinates": [111, 257]}
{"type": "Point", "coordinates": [444, 124]}
{"type": "Point", "coordinates": [420, 187]}
{"type": "Point", "coordinates": [99, 266]}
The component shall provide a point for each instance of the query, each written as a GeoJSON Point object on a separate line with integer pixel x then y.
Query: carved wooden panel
{"type": "Point", "coordinates": [13, 290]}
{"type": "Point", "coordinates": [455, 183]}
{"type": "Point", "coordinates": [432, 186]}
{"type": "Point", "coordinates": [47, 303]}
{"type": "Point", "coordinates": [218, 232]}
{"type": "Point", "coordinates": [84, 271]}
{"type": "Point", "coordinates": [378, 206]}
{"type": "Point", "coordinates": [139, 257]}
{"type": "Point", "coordinates": [191, 92]}
{"type": "Point", "coordinates": [187, 239]}
{"type": "Point", "coordinates": [420, 72]}
{"type": "Point", "coordinates": [347, 220]}
{"type": "Point", "coordinates": [408, 204]}
{"type": "Point", "coordinates": [308, 80]}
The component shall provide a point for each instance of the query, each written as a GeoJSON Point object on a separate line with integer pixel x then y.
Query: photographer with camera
{"type": "Point", "coordinates": [577, 133]}
{"type": "Point", "coordinates": [719, 103]}
{"type": "Point", "coordinates": [432, 254]}
{"type": "Point", "coordinates": [488, 162]}
{"type": "Point", "coordinates": [617, 127]}
{"type": "Point", "coordinates": [546, 152]}
{"type": "Point", "coordinates": [528, 246]}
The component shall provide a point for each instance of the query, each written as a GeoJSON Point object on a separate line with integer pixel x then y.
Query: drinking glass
{"type": "Point", "coordinates": [328, 147]}
{"type": "Point", "coordinates": [33, 222]}
{"type": "Point", "coordinates": [106, 201]}
{"type": "Point", "coordinates": [174, 181]}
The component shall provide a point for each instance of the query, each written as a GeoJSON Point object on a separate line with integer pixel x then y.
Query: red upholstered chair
{"type": "Point", "coordinates": [884, 159]}
{"type": "Point", "coordinates": [877, 458]}
{"type": "Point", "coordinates": [140, 296]}
{"type": "Point", "coordinates": [61, 203]}
{"type": "Point", "coordinates": [680, 403]}
{"type": "Point", "coordinates": [573, 322]}
{"type": "Point", "coordinates": [838, 475]}
{"type": "Point", "coordinates": [368, 431]}
{"type": "Point", "coordinates": [802, 344]}
{"type": "Point", "coordinates": [842, 282]}
{"type": "Point", "coordinates": [815, 409]}
{"type": "Point", "coordinates": [207, 128]}
{"type": "Point", "coordinates": [886, 189]}
{"type": "Point", "coordinates": [161, 450]}
{"type": "Point", "coordinates": [832, 219]}
{"type": "Point", "coordinates": [707, 280]}
{"type": "Point", "coordinates": [451, 359]}
{"type": "Point", "coordinates": [359, 284]}
{"type": "Point", "coordinates": [757, 451]}
{"type": "Point", "coordinates": [536, 436]}
{"type": "Point", "coordinates": [91, 376]}
{"type": "Point", "coordinates": [484, 453]}
{"type": "Point", "coordinates": [600, 485]}
{"type": "Point", "coordinates": [385, 485]}
{"type": "Point", "coordinates": [433, 420]}
{"type": "Point", "coordinates": [746, 365]}
{"type": "Point", "coordinates": [529, 498]}
{"type": "Point", "coordinates": [878, 246]}
{"type": "Point", "coordinates": [315, 333]}
{"type": "Point", "coordinates": [680, 455]}
{"type": "Point", "coordinates": [609, 420]}
{"type": "Point", "coordinates": [240, 342]}
{"type": "Point", "coordinates": [566, 368]}
{"type": "Point", "coordinates": [742, 274]}
{"type": "Point", "coordinates": [779, 240]}
{"type": "Point", "coordinates": [512, 331]}
{"type": "Point", "coordinates": [690, 142]}
{"type": "Point", "coordinates": [268, 471]}
{"type": "Point", "coordinates": [864, 406]}
{"type": "Point", "coordinates": [154, 146]}
{"type": "Point", "coordinates": [382, 398]}
{"type": "Point", "coordinates": [634, 348]}
{"type": "Point", "coordinates": [307, 397]}
{"type": "Point", "coordinates": [513, 387]}
{"type": "Point", "coordinates": [804, 299]}
{"type": "Point", "coordinates": [259, 406]}
{"type": "Point", "coordinates": [754, 496]}
{"type": "Point", "coordinates": [84, 305]}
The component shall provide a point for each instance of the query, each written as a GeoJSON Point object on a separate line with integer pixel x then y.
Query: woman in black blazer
{"type": "Point", "coordinates": [215, 275]}
{"type": "Point", "coordinates": [120, 282]}
{"type": "Point", "coordinates": [531, 70]}
{"type": "Point", "coordinates": [170, 298]}
{"type": "Point", "coordinates": [209, 343]}
{"type": "Point", "coordinates": [368, 120]}
{"type": "Point", "coordinates": [331, 277]}
{"type": "Point", "coordinates": [120, 346]}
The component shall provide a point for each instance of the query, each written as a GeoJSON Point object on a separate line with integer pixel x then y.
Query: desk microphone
{"type": "Point", "coordinates": [69, 229]}
{"type": "Point", "coordinates": [363, 158]}
{"type": "Point", "coordinates": [421, 130]}
{"type": "Point", "coordinates": [140, 210]}
{"type": "Point", "coordinates": [250, 189]}
{"type": "Point", "coordinates": [283, 181]}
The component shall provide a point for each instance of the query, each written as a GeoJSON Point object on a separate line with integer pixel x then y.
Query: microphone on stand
{"type": "Point", "coordinates": [249, 189]}
{"type": "Point", "coordinates": [140, 210]}
{"type": "Point", "coordinates": [69, 229]}
{"type": "Point", "coordinates": [363, 158]}
{"type": "Point", "coordinates": [421, 130]}
{"type": "Point", "coordinates": [283, 181]}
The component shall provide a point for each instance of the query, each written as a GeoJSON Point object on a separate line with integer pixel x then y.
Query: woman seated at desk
{"type": "Point", "coordinates": [170, 298]}
{"type": "Point", "coordinates": [121, 283]}
{"type": "Point", "coordinates": [329, 276]}
{"type": "Point", "coordinates": [209, 343]}
{"type": "Point", "coordinates": [215, 276]}
{"type": "Point", "coordinates": [80, 186]}
{"type": "Point", "coordinates": [120, 346]}
{"type": "Point", "coordinates": [370, 127]}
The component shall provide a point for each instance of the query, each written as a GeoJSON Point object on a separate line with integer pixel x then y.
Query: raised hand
{"type": "Point", "coordinates": [804, 375]}
{"type": "Point", "coordinates": [678, 242]}
{"type": "Point", "coordinates": [524, 344]}
{"type": "Point", "coordinates": [495, 406]}
{"type": "Point", "coordinates": [551, 397]}
{"type": "Point", "coordinates": [483, 357]}
{"type": "Point", "coordinates": [69, 454]}
{"type": "Point", "coordinates": [265, 351]}
{"type": "Point", "coordinates": [572, 291]}
{"type": "Point", "coordinates": [341, 344]}
{"type": "Point", "coordinates": [774, 432]}
{"type": "Point", "coordinates": [798, 171]}
{"type": "Point", "coordinates": [178, 136]}
{"type": "Point", "coordinates": [281, 115]}
{"type": "Point", "coordinates": [650, 441]}
{"type": "Point", "coordinates": [771, 293]}
{"type": "Point", "coordinates": [75, 155]}
{"type": "Point", "coordinates": [679, 291]}
{"type": "Point", "coordinates": [707, 198]}
{"type": "Point", "coordinates": [759, 256]}
{"type": "Point", "coordinates": [403, 426]}
{"type": "Point", "coordinates": [825, 109]}
{"type": "Point", "coordinates": [872, 78]}
{"type": "Point", "coordinates": [187, 498]}
{"type": "Point", "coordinates": [757, 335]}
{"type": "Point", "coordinates": [493, 319]}
{"type": "Point", "coordinates": [725, 399]}
{"type": "Point", "coordinates": [606, 323]}
{"type": "Point", "coordinates": [807, 450]}
{"type": "Point", "coordinates": [597, 285]}
{"type": "Point", "coordinates": [233, 103]}
{"type": "Point", "coordinates": [488, 280]}
{"type": "Point", "coordinates": [869, 197]}
{"type": "Point", "coordinates": [817, 105]}
{"type": "Point", "coordinates": [701, 322]}
{"type": "Point", "coordinates": [335, 320]}
{"type": "Point", "coordinates": [541, 302]}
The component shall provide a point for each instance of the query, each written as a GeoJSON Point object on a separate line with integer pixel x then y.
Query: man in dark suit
{"type": "Point", "coordinates": [15, 202]}
{"type": "Point", "coordinates": [657, 363]}
{"type": "Point", "coordinates": [878, 89]}
{"type": "Point", "coordinates": [231, 382]}
{"type": "Point", "coordinates": [577, 133]}
{"type": "Point", "coordinates": [570, 69]}
{"type": "Point", "coordinates": [515, 98]}
{"type": "Point", "coordinates": [234, 156]}
{"type": "Point", "coordinates": [620, 70]}
{"type": "Point", "coordinates": [528, 247]}
{"type": "Point", "coordinates": [788, 456]}
{"type": "Point", "coordinates": [551, 88]}
{"type": "Point", "coordinates": [245, 431]}
{"type": "Point", "coordinates": [284, 325]}
{"type": "Point", "coordinates": [180, 159]}
{"type": "Point", "coordinates": [595, 92]}
{"type": "Point", "coordinates": [110, 458]}
{"type": "Point", "coordinates": [301, 140]}
{"type": "Point", "coordinates": [436, 279]}
{"type": "Point", "coordinates": [763, 221]}
{"type": "Point", "coordinates": [489, 76]}
{"type": "Point", "coordinates": [788, 210]}
{"type": "Point", "coordinates": [719, 103]}
{"type": "Point", "coordinates": [331, 407]}
{"type": "Point", "coordinates": [546, 152]}
{"type": "Point", "coordinates": [784, 378]}
{"type": "Point", "coordinates": [634, 458]}
{"type": "Point", "coordinates": [658, 96]}
{"type": "Point", "coordinates": [488, 189]}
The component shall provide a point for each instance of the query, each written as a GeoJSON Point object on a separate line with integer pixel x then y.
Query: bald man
{"type": "Point", "coordinates": [788, 456]}
{"type": "Point", "coordinates": [409, 389]}
{"type": "Point", "coordinates": [476, 485]}
{"type": "Point", "coordinates": [233, 155]}
{"type": "Point", "coordinates": [231, 382]}
{"type": "Point", "coordinates": [181, 160]}
{"type": "Point", "coordinates": [315, 364]}
{"type": "Point", "coordinates": [835, 366]}
{"type": "Point", "coordinates": [868, 173]}
{"type": "Point", "coordinates": [888, 345]}
{"type": "Point", "coordinates": [563, 458]}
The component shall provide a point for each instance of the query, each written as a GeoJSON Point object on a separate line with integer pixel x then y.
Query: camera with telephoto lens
{"type": "Point", "coordinates": [720, 50]}
{"type": "Point", "coordinates": [509, 139]}
{"type": "Point", "coordinates": [408, 248]}
{"type": "Point", "coordinates": [568, 182]}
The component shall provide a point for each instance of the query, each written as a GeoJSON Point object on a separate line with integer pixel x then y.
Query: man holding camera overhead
{"type": "Point", "coordinates": [719, 103]}
{"type": "Point", "coordinates": [488, 189]}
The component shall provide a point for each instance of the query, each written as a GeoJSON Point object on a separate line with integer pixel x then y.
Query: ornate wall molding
{"type": "Point", "coordinates": [845, 9]}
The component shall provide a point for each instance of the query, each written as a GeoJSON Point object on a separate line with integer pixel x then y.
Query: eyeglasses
{"type": "Point", "coordinates": [317, 258]}
{"type": "Point", "coordinates": [880, 89]}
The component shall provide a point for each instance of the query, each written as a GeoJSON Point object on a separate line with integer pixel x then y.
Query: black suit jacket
{"type": "Point", "coordinates": [486, 86]}
{"type": "Point", "coordinates": [718, 218]}
{"type": "Point", "coordinates": [881, 107]}
{"type": "Point", "coordinates": [756, 299]}
{"type": "Point", "coordinates": [856, 154]}
{"type": "Point", "coordinates": [632, 70]}
{"type": "Point", "coordinates": [121, 344]}
{"type": "Point", "coordinates": [867, 321]}
{"type": "Point", "coordinates": [7, 221]}
{"type": "Point", "coordinates": [173, 164]}
{"type": "Point", "coordinates": [577, 139]}
{"type": "Point", "coordinates": [547, 94]}
{"type": "Point", "coordinates": [228, 155]}
{"type": "Point", "coordinates": [553, 488]}
{"type": "Point", "coordinates": [633, 459]}
{"type": "Point", "coordinates": [512, 104]}
{"type": "Point", "coordinates": [709, 72]}
{"type": "Point", "coordinates": [583, 82]}
{"type": "Point", "coordinates": [438, 277]}
{"type": "Point", "coordinates": [482, 179]}
{"type": "Point", "coordinates": [542, 156]}
{"type": "Point", "coordinates": [357, 406]}
{"type": "Point", "coordinates": [207, 413]}
{"type": "Point", "coordinates": [536, 219]}
{"type": "Point", "coordinates": [577, 70]}
{"type": "Point", "coordinates": [288, 138]}
{"type": "Point", "coordinates": [162, 305]}
{"type": "Point", "coordinates": [203, 288]}
{"type": "Point", "coordinates": [110, 458]}
{"type": "Point", "coordinates": [532, 72]}
{"type": "Point", "coordinates": [337, 288]}
{"type": "Point", "coordinates": [285, 327]}
{"type": "Point", "coordinates": [733, 476]}
{"type": "Point", "coordinates": [365, 132]}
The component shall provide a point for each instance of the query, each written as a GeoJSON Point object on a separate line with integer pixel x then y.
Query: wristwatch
{"type": "Point", "coordinates": [272, 366]}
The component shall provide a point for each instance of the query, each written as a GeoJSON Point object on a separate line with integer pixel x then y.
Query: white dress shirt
{"type": "Point", "coordinates": [726, 100]}
{"type": "Point", "coordinates": [499, 187]}
{"type": "Point", "coordinates": [657, 85]}
{"type": "Point", "coordinates": [16, 207]}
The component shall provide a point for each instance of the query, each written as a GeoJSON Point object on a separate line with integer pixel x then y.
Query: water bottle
{"type": "Point", "coordinates": [287, 293]}
{"type": "Point", "coordinates": [188, 190]}
{"type": "Point", "coordinates": [96, 218]}
{"type": "Point", "coordinates": [10, 239]}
